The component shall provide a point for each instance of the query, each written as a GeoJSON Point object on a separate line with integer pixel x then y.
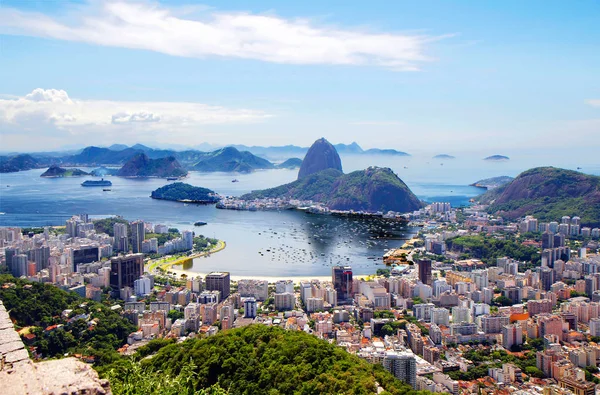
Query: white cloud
{"type": "Point", "coordinates": [593, 102]}
{"type": "Point", "coordinates": [268, 38]}
{"type": "Point", "coordinates": [50, 113]}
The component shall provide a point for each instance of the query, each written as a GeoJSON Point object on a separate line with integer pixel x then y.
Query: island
{"type": "Point", "coordinates": [444, 156]}
{"type": "Point", "coordinates": [17, 163]}
{"type": "Point", "coordinates": [497, 158]}
{"type": "Point", "coordinates": [322, 155]}
{"type": "Point", "coordinates": [181, 192]}
{"type": "Point", "coordinates": [491, 183]}
{"type": "Point", "coordinates": [141, 165]}
{"type": "Point", "coordinates": [292, 163]}
{"type": "Point", "coordinates": [549, 193]}
{"type": "Point", "coordinates": [57, 172]}
{"type": "Point", "coordinates": [229, 159]}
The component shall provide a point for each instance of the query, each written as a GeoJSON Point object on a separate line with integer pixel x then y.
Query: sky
{"type": "Point", "coordinates": [435, 76]}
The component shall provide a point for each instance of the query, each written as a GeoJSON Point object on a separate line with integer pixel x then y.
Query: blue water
{"type": "Point", "coordinates": [299, 244]}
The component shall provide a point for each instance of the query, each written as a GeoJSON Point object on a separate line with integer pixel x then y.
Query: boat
{"type": "Point", "coordinates": [199, 223]}
{"type": "Point", "coordinates": [93, 183]}
{"type": "Point", "coordinates": [235, 180]}
{"type": "Point", "coordinates": [172, 178]}
{"type": "Point", "coordinates": [106, 189]}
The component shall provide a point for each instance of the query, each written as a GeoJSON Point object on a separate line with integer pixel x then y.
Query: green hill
{"type": "Point", "coordinates": [17, 163]}
{"type": "Point", "coordinates": [373, 189]}
{"type": "Point", "coordinates": [257, 360]}
{"type": "Point", "coordinates": [56, 171]}
{"type": "Point", "coordinates": [142, 166]}
{"type": "Point", "coordinates": [179, 191]}
{"type": "Point", "coordinates": [548, 193]}
{"type": "Point", "coordinates": [229, 159]}
{"type": "Point", "coordinates": [292, 163]}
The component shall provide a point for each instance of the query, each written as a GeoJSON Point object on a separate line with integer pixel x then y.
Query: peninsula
{"type": "Point", "coordinates": [56, 172]}
{"type": "Point", "coordinates": [181, 192]}
{"type": "Point", "coordinates": [142, 166]}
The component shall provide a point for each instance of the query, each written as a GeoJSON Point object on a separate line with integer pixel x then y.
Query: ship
{"type": "Point", "coordinates": [172, 178]}
{"type": "Point", "coordinates": [199, 223]}
{"type": "Point", "coordinates": [235, 180]}
{"type": "Point", "coordinates": [92, 183]}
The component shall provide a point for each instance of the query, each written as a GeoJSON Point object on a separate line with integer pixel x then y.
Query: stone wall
{"type": "Point", "coordinates": [19, 375]}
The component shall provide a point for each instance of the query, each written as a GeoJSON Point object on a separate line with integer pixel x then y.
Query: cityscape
{"type": "Point", "coordinates": [299, 198]}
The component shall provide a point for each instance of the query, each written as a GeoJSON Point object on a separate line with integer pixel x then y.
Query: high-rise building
{"type": "Point", "coordinates": [138, 234]}
{"type": "Point", "coordinates": [120, 234]}
{"type": "Point", "coordinates": [218, 281]}
{"type": "Point", "coordinates": [124, 270]}
{"type": "Point", "coordinates": [402, 365]}
{"type": "Point", "coordinates": [425, 271]}
{"type": "Point", "coordinates": [284, 301]}
{"type": "Point", "coordinates": [19, 265]}
{"type": "Point", "coordinates": [188, 239]}
{"type": "Point", "coordinates": [341, 277]}
{"type": "Point", "coordinates": [546, 278]}
{"type": "Point", "coordinates": [84, 254]}
{"type": "Point", "coordinates": [249, 307]}
{"type": "Point", "coordinates": [547, 240]}
{"type": "Point", "coordinates": [9, 254]}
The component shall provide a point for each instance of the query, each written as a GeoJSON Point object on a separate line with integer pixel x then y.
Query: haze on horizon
{"type": "Point", "coordinates": [421, 76]}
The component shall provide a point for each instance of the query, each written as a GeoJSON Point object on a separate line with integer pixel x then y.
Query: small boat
{"type": "Point", "coordinates": [235, 180]}
{"type": "Point", "coordinates": [107, 189]}
{"type": "Point", "coordinates": [172, 178]}
{"type": "Point", "coordinates": [199, 223]}
{"type": "Point", "coordinates": [578, 168]}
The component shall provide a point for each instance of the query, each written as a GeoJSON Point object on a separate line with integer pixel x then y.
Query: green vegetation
{"type": "Point", "coordinates": [106, 225]}
{"type": "Point", "coordinates": [485, 359]}
{"type": "Point", "coordinates": [56, 171]}
{"type": "Point", "coordinates": [548, 193]}
{"type": "Point", "coordinates": [202, 243]}
{"type": "Point", "coordinates": [373, 189]}
{"type": "Point", "coordinates": [180, 191]}
{"type": "Point", "coordinates": [141, 165]}
{"type": "Point", "coordinates": [254, 360]}
{"type": "Point", "coordinates": [163, 237]}
{"type": "Point", "coordinates": [488, 249]}
{"type": "Point", "coordinates": [229, 159]}
{"type": "Point", "coordinates": [91, 329]}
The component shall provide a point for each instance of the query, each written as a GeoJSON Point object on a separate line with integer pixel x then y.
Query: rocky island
{"type": "Point", "coordinates": [181, 192]}
{"type": "Point", "coordinates": [142, 166]}
{"type": "Point", "coordinates": [320, 156]}
{"type": "Point", "coordinates": [292, 163]}
{"type": "Point", "coordinates": [56, 172]}
{"type": "Point", "coordinates": [548, 193]}
{"type": "Point", "coordinates": [229, 159]}
{"type": "Point", "coordinates": [444, 156]}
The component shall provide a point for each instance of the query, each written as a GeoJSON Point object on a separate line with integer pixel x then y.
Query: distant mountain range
{"type": "Point", "coordinates": [548, 193]}
{"type": "Point", "coordinates": [140, 165]}
{"type": "Point", "coordinates": [287, 151]}
{"type": "Point", "coordinates": [491, 183]}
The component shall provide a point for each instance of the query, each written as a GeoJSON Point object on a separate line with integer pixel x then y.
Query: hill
{"type": "Point", "coordinates": [491, 183]}
{"type": "Point", "coordinates": [349, 149]}
{"type": "Point", "coordinates": [256, 360]}
{"type": "Point", "coordinates": [320, 156]}
{"type": "Point", "coordinates": [142, 166]}
{"type": "Point", "coordinates": [56, 171]}
{"type": "Point", "coordinates": [388, 152]}
{"type": "Point", "coordinates": [548, 193]}
{"type": "Point", "coordinates": [229, 159]}
{"type": "Point", "coordinates": [374, 189]}
{"type": "Point", "coordinates": [444, 156]}
{"type": "Point", "coordinates": [101, 156]}
{"type": "Point", "coordinates": [292, 163]}
{"type": "Point", "coordinates": [17, 163]}
{"type": "Point", "coordinates": [497, 158]}
{"type": "Point", "coordinates": [179, 191]}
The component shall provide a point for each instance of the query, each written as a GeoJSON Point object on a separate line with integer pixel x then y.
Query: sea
{"type": "Point", "coordinates": [270, 244]}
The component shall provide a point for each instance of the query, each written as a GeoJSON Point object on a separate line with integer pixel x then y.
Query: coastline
{"type": "Point", "coordinates": [168, 266]}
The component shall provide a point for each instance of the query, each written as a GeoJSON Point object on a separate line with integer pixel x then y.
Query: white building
{"type": "Point", "coordinates": [258, 289]}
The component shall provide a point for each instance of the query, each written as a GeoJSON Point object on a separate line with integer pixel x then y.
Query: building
{"type": "Point", "coordinates": [124, 270]}
{"type": "Point", "coordinates": [402, 365]}
{"type": "Point", "coordinates": [284, 301]}
{"type": "Point", "coordinates": [512, 335]}
{"type": "Point", "coordinates": [595, 327]}
{"type": "Point", "coordinates": [218, 281]}
{"type": "Point", "coordinates": [121, 242]}
{"type": "Point", "coordinates": [422, 311]}
{"type": "Point", "coordinates": [341, 277]}
{"type": "Point", "coordinates": [138, 234]}
{"type": "Point", "coordinates": [249, 308]}
{"type": "Point", "coordinates": [257, 289]}
{"type": "Point", "coordinates": [19, 265]}
{"type": "Point", "coordinates": [84, 254]}
{"type": "Point", "coordinates": [425, 271]}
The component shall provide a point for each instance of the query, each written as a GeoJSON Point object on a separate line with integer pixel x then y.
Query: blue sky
{"type": "Point", "coordinates": [415, 76]}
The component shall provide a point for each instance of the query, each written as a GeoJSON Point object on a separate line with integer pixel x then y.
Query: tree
{"type": "Point", "coordinates": [175, 315]}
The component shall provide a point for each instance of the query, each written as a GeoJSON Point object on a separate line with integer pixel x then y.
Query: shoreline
{"type": "Point", "coordinates": [168, 266]}
{"type": "Point", "coordinates": [271, 279]}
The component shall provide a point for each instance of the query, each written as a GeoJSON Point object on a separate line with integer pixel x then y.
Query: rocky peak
{"type": "Point", "coordinates": [320, 156]}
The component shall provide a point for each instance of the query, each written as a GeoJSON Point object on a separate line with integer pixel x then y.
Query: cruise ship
{"type": "Point", "coordinates": [92, 183]}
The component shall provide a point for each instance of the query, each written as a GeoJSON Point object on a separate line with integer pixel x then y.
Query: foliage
{"type": "Point", "coordinates": [502, 301]}
{"type": "Point", "coordinates": [162, 238]}
{"type": "Point", "coordinates": [40, 305]}
{"type": "Point", "coordinates": [202, 243]}
{"type": "Point", "coordinates": [106, 225]}
{"type": "Point", "coordinates": [488, 249]}
{"type": "Point", "coordinates": [141, 165]}
{"type": "Point", "coordinates": [175, 315]}
{"type": "Point", "coordinates": [180, 191]}
{"type": "Point", "coordinates": [384, 272]}
{"type": "Point", "coordinates": [257, 359]}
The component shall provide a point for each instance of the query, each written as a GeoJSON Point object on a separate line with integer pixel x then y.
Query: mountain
{"type": "Point", "coordinates": [256, 359]}
{"type": "Point", "coordinates": [292, 163]}
{"type": "Point", "coordinates": [491, 183]}
{"type": "Point", "coordinates": [181, 192]}
{"type": "Point", "coordinates": [56, 171]}
{"type": "Point", "coordinates": [17, 163]}
{"type": "Point", "coordinates": [118, 147]}
{"type": "Point", "coordinates": [548, 193]}
{"type": "Point", "coordinates": [444, 156]}
{"type": "Point", "coordinates": [349, 149]}
{"type": "Point", "coordinates": [374, 189]}
{"type": "Point", "coordinates": [142, 166]}
{"type": "Point", "coordinates": [320, 156]}
{"type": "Point", "coordinates": [497, 158]}
{"type": "Point", "coordinates": [101, 156]}
{"type": "Point", "coordinates": [229, 159]}
{"type": "Point", "coordinates": [389, 152]}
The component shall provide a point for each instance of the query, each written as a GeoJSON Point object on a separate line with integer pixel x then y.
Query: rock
{"type": "Point", "coordinates": [142, 166]}
{"type": "Point", "coordinates": [320, 156]}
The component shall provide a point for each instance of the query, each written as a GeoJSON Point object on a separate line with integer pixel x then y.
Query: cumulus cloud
{"type": "Point", "coordinates": [154, 27]}
{"type": "Point", "coordinates": [52, 113]}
